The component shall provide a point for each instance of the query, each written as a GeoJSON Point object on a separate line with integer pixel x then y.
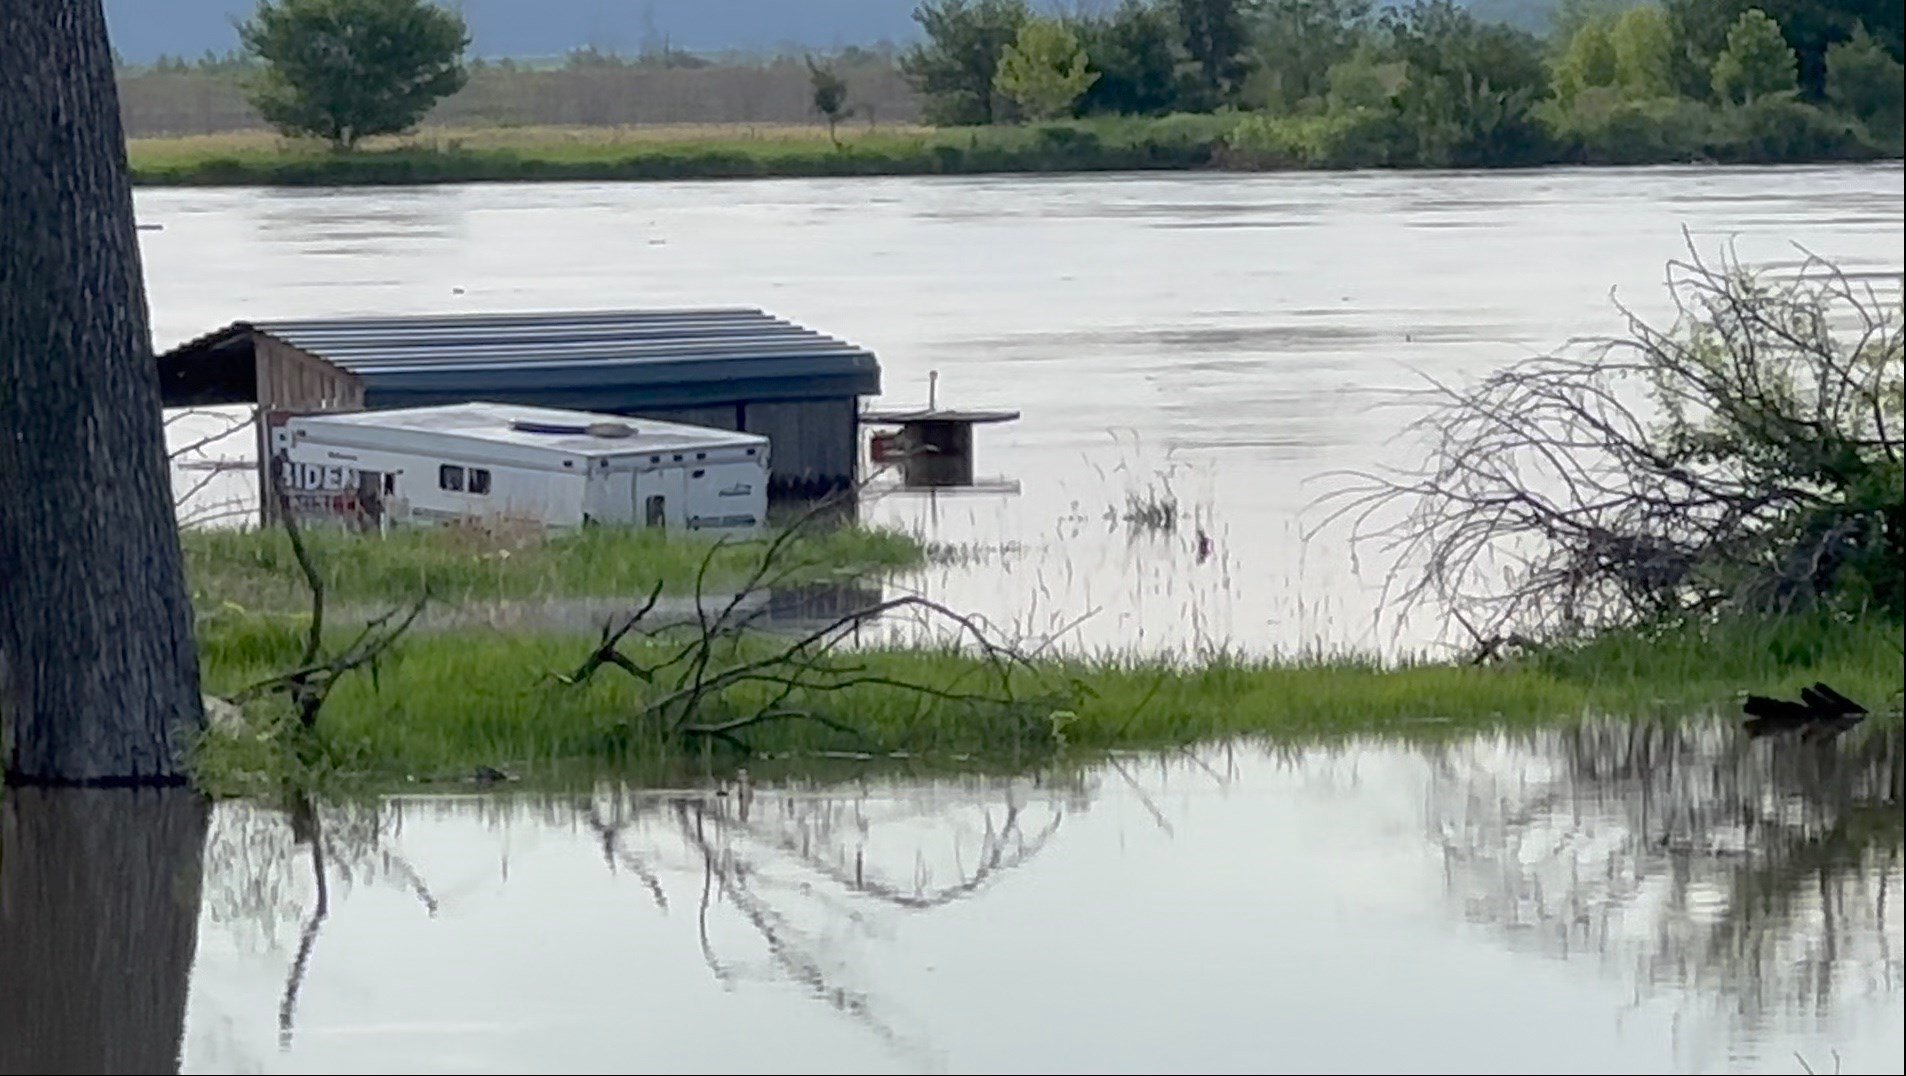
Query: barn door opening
{"type": "Point", "coordinates": [655, 512]}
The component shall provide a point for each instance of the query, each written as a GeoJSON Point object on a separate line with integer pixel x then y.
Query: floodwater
{"type": "Point", "coordinates": [1624, 898]}
{"type": "Point", "coordinates": [1232, 344]}
{"type": "Point", "coordinates": [1620, 898]}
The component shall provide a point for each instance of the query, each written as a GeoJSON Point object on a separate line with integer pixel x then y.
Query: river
{"type": "Point", "coordinates": [1231, 343]}
{"type": "Point", "coordinates": [1611, 898]}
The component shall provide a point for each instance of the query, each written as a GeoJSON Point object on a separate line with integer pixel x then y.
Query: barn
{"type": "Point", "coordinates": [730, 368]}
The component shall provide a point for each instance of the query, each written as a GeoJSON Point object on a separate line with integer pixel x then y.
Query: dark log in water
{"type": "Point", "coordinates": [99, 907]}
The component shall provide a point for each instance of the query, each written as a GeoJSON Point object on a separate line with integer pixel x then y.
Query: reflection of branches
{"type": "Point", "coordinates": [1759, 871]}
{"type": "Point", "coordinates": [729, 877]}
{"type": "Point", "coordinates": [308, 937]}
{"type": "Point", "coordinates": [612, 854]}
{"type": "Point", "coordinates": [256, 853]}
{"type": "Point", "coordinates": [1001, 850]}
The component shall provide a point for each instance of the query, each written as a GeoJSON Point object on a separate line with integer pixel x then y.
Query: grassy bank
{"type": "Point", "coordinates": [446, 703]}
{"type": "Point", "coordinates": [1686, 132]}
{"type": "Point", "coordinates": [700, 152]}
{"type": "Point", "coordinates": [254, 570]}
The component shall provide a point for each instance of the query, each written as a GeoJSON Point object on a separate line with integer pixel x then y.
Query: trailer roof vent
{"type": "Point", "coordinates": [593, 429]}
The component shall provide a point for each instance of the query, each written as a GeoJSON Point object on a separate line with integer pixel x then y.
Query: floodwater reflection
{"type": "Point", "coordinates": [99, 906]}
{"type": "Point", "coordinates": [1618, 897]}
{"type": "Point", "coordinates": [1765, 877]}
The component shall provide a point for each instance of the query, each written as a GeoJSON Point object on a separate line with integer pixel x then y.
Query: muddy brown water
{"type": "Point", "coordinates": [1625, 898]}
{"type": "Point", "coordinates": [1227, 342]}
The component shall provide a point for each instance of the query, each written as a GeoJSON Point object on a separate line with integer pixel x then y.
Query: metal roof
{"type": "Point", "coordinates": [541, 428]}
{"type": "Point", "coordinates": [595, 360]}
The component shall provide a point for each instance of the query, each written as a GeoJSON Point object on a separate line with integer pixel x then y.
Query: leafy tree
{"type": "Point", "coordinates": [1810, 28]}
{"type": "Point", "coordinates": [1570, 16]}
{"type": "Point", "coordinates": [1131, 49]}
{"type": "Point", "coordinates": [1471, 87]}
{"type": "Point", "coordinates": [1364, 80]}
{"type": "Point", "coordinates": [1298, 41]}
{"type": "Point", "coordinates": [1699, 30]}
{"type": "Point", "coordinates": [954, 68]}
{"type": "Point", "coordinates": [1869, 85]}
{"type": "Point", "coordinates": [98, 671]}
{"type": "Point", "coordinates": [829, 96]}
{"type": "Point", "coordinates": [1756, 62]}
{"type": "Point", "coordinates": [1215, 37]}
{"type": "Point", "coordinates": [1044, 70]}
{"type": "Point", "coordinates": [343, 70]}
{"type": "Point", "coordinates": [1644, 53]}
{"type": "Point", "coordinates": [1589, 60]}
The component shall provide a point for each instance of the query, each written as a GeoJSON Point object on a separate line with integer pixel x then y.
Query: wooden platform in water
{"type": "Point", "coordinates": [922, 415]}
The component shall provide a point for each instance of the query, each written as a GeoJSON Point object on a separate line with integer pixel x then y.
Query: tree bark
{"type": "Point", "coordinates": [98, 674]}
{"type": "Point", "coordinates": [99, 910]}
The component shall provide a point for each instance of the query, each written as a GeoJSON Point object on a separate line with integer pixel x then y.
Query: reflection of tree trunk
{"type": "Point", "coordinates": [99, 906]}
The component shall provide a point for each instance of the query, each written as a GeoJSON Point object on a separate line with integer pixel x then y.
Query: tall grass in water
{"type": "Point", "coordinates": [454, 701]}
{"type": "Point", "coordinates": [256, 569]}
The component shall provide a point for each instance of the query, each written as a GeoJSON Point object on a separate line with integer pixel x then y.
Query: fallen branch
{"type": "Point", "coordinates": [696, 683]}
{"type": "Point", "coordinates": [310, 682]}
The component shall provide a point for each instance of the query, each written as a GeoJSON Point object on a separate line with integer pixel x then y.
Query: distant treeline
{"type": "Point", "coordinates": [589, 88]}
{"type": "Point", "coordinates": [1275, 84]}
{"type": "Point", "coordinates": [1429, 83]}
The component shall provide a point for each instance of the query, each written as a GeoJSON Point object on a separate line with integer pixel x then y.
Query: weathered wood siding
{"type": "Point", "coordinates": [294, 380]}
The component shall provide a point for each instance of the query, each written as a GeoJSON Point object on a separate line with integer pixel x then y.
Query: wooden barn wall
{"type": "Point", "coordinates": [294, 380]}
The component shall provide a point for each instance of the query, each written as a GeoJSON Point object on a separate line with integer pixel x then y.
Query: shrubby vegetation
{"type": "Point", "coordinates": [1745, 459]}
{"type": "Point", "coordinates": [1264, 83]}
{"type": "Point", "coordinates": [1427, 83]}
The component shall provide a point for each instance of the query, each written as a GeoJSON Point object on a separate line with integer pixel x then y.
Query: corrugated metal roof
{"type": "Point", "coordinates": [601, 360]}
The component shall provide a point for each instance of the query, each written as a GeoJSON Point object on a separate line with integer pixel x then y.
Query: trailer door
{"type": "Point", "coordinates": [659, 497]}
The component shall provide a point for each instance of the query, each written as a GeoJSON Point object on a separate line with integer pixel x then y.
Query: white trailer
{"type": "Point", "coordinates": [486, 460]}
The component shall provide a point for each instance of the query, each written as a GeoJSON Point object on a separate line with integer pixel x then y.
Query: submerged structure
{"type": "Point", "coordinates": [498, 461]}
{"type": "Point", "coordinates": [933, 446]}
{"type": "Point", "coordinates": [734, 369]}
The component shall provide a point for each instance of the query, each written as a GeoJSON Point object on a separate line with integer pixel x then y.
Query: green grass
{"type": "Point", "coordinates": [444, 703]}
{"type": "Point", "coordinates": [506, 155]}
{"type": "Point", "coordinates": [255, 570]}
{"type": "Point", "coordinates": [1776, 132]}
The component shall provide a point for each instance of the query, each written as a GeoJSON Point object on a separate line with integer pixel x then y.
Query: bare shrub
{"type": "Point", "coordinates": [1745, 456]}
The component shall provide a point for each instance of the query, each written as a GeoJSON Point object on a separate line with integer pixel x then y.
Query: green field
{"type": "Point", "coordinates": [1248, 142]}
{"type": "Point", "coordinates": [668, 152]}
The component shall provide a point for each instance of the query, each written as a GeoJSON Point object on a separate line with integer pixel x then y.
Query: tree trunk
{"type": "Point", "coordinates": [98, 675]}
{"type": "Point", "coordinates": [99, 910]}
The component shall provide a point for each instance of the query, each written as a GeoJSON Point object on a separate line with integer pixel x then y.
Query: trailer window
{"type": "Point", "coordinates": [450, 477]}
{"type": "Point", "coordinates": [479, 480]}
